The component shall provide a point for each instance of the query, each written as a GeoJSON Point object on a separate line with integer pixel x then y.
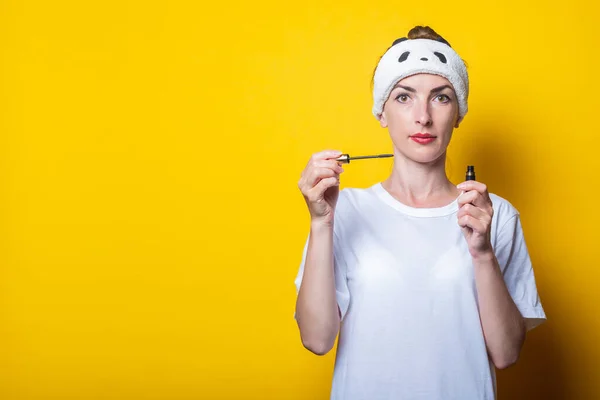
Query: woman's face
{"type": "Point", "coordinates": [420, 114]}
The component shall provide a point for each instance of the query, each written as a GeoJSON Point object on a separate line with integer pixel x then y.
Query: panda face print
{"type": "Point", "coordinates": [442, 58]}
{"type": "Point", "coordinates": [436, 55]}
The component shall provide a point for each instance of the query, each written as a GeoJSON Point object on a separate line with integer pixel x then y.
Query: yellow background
{"type": "Point", "coordinates": [151, 226]}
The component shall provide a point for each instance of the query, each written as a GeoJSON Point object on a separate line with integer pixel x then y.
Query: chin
{"type": "Point", "coordinates": [425, 157]}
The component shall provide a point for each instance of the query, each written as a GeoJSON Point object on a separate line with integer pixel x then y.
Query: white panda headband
{"type": "Point", "coordinates": [408, 57]}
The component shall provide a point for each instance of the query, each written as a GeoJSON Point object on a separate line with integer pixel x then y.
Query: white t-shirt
{"type": "Point", "coordinates": [406, 291]}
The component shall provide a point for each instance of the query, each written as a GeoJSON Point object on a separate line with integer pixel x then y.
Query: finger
{"type": "Point", "coordinates": [325, 155]}
{"type": "Point", "coordinates": [332, 164]}
{"type": "Point", "coordinates": [467, 221]}
{"type": "Point", "coordinates": [467, 197]}
{"type": "Point", "coordinates": [316, 174]}
{"type": "Point", "coordinates": [308, 178]}
{"type": "Point", "coordinates": [472, 185]}
{"type": "Point", "coordinates": [317, 192]}
{"type": "Point", "coordinates": [476, 198]}
{"type": "Point", "coordinates": [476, 212]}
{"type": "Point", "coordinates": [316, 158]}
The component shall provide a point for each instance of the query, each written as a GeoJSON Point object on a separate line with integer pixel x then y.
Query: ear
{"type": "Point", "coordinates": [383, 120]}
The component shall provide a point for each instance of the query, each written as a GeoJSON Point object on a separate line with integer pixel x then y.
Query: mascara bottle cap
{"type": "Point", "coordinates": [344, 159]}
{"type": "Point", "coordinates": [470, 173]}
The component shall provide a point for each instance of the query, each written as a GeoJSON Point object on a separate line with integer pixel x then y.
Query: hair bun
{"type": "Point", "coordinates": [425, 32]}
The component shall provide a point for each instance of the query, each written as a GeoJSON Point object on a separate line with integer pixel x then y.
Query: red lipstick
{"type": "Point", "coordinates": [423, 138]}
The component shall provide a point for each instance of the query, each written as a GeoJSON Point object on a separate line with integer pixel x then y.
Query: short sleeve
{"type": "Point", "coordinates": [513, 257]}
{"type": "Point", "coordinates": [341, 283]}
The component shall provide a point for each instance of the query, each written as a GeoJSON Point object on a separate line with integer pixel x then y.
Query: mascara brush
{"type": "Point", "coordinates": [346, 158]}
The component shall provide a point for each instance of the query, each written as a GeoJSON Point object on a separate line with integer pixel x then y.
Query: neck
{"type": "Point", "coordinates": [421, 185]}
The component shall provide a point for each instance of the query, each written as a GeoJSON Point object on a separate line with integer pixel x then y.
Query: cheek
{"type": "Point", "coordinates": [397, 123]}
{"type": "Point", "coordinates": [446, 117]}
{"type": "Point", "coordinates": [396, 116]}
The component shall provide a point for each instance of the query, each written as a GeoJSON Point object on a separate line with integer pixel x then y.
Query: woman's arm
{"type": "Point", "coordinates": [502, 323]}
{"type": "Point", "coordinates": [317, 311]}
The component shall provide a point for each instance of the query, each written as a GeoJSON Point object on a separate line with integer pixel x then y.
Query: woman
{"type": "Point", "coordinates": [429, 284]}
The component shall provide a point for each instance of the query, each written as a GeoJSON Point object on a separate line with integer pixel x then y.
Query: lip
{"type": "Point", "coordinates": [423, 138]}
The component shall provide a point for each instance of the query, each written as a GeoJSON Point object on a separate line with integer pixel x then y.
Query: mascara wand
{"type": "Point", "coordinates": [345, 158]}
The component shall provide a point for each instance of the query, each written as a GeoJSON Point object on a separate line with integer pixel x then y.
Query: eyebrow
{"type": "Point", "coordinates": [434, 90]}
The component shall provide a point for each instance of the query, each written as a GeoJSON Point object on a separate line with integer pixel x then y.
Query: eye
{"type": "Point", "coordinates": [443, 98]}
{"type": "Point", "coordinates": [402, 98]}
{"type": "Point", "coordinates": [440, 56]}
{"type": "Point", "coordinates": [404, 56]}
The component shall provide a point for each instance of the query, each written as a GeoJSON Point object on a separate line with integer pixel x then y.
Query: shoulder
{"type": "Point", "coordinates": [352, 198]}
{"type": "Point", "coordinates": [353, 203]}
{"type": "Point", "coordinates": [505, 221]}
{"type": "Point", "coordinates": [508, 238]}
{"type": "Point", "coordinates": [503, 209]}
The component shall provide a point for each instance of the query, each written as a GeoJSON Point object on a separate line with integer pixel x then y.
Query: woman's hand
{"type": "Point", "coordinates": [475, 217]}
{"type": "Point", "coordinates": [319, 184]}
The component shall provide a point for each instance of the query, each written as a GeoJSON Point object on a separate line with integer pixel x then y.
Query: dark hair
{"type": "Point", "coordinates": [418, 32]}
{"type": "Point", "coordinates": [425, 32]}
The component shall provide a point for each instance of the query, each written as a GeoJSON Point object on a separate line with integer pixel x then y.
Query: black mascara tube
{"type": "Point", "coordinates": [470, 173]}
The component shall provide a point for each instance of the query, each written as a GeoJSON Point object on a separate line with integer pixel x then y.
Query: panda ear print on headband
{"type": "Point", "coordinates": [441, 39]}
{"type": "Point", "coordinates": [402, 39]}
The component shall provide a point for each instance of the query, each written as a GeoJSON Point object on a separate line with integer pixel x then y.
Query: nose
{"type": "Point", "coordinates": [423, 114]}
